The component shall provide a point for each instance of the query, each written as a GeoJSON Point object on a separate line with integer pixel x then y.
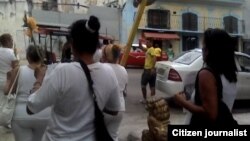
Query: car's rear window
{"type": "Point", "coordinates": [188, 57]}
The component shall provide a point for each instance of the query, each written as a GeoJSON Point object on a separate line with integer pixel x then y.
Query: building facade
{"type": "Point", "coordinates": [60, 13]}
{"type": "Point", "coordinates": [246, 15]}
{"type": "Point", "coordinates": [181, 23]}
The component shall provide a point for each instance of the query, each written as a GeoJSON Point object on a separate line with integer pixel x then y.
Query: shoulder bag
{"type": "Point", "coordinates": [8, 104]}
{"type": "Point", "coordinates": [101, 130]}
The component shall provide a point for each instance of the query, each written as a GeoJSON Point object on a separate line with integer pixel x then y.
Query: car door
{"type": "Point", "coordinates": [243, 89]}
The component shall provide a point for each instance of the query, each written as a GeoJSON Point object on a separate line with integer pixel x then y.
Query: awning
{"type": "Point", "coordinates": [161, 36]}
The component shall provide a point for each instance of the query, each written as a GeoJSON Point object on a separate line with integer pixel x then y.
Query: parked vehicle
{"type": "Point", "coordinates": [136, 57]}
{"type": "Point", "coordinates": [179, 75]}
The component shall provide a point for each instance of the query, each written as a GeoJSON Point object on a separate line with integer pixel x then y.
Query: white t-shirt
{"type": "Point", "coordinates": [98, 55]}
{"type": "Point", "coordinates": [6, 57]}
{"type": "Point", "coordinates": [26, 81]}
{"type": "Point", "coordinates": [229, 92]}
{"type": "Point", "coordinates": [66, 88]}
{"type": "Point", "coordinates": [122, 78]}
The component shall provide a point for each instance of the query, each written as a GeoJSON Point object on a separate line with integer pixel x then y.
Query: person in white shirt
{"type": "Point", "coordinates": [66, 89]}
{"type": "Point", "coordinates": [111, 54]}
{"type": "Point", "coordinates": [27, 127]}
{"type": "Point", "coordinates": [8, 60]}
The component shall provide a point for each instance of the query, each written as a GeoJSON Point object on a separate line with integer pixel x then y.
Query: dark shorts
{"type": "Point", "coordinates": [147, 77]}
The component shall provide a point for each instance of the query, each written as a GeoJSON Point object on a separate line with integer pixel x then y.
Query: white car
{"type": "Point", "coordinates": [179, 75]}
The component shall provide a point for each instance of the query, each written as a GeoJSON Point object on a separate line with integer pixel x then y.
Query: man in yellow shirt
{"type": "Point", "coordinates": [157, 52]}
{"type": "Point", "coordinates": [149, 74]}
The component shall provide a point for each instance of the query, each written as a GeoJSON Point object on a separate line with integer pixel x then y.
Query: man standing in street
{"type": "Point", "coordinates": [149, 74]}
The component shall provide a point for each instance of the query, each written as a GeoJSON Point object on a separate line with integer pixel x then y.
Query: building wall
{"type": "Point", "coordinates": [128, 14]}
{"type": "Point", "coordinates": [246, 16]}
{"type": "Point", "coordinates": [212, 11]}
{"type": "Point", "coordinates": [210, 15]}
{"type": "Point", "coordinates": [11, 18]}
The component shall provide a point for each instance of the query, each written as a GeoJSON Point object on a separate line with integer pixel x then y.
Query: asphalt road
{"type": "Point", "coordinates": [135, 115]}
{"type": "Point", "coordinates": [134, 120]}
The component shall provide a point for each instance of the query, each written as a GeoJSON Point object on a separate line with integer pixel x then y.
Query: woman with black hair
{"type": "Point", "coordinates": [215, 82]}
{"type": "Point", "coordinates": [66, 51]}
{"type": "Point", "coordinates": [67, 88]}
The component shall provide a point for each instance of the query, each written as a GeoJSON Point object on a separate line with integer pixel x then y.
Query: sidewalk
{"type": "Point", "coordinates": [6, 134]}
{"type": "Point", "coordinates": [132, 126]}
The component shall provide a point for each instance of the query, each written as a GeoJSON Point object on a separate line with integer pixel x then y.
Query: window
{"type": "Point", "coordinates": [231, 24]}
{"type": "Point", "coordinates": [244, 63]}
{"type": "Point", "coordinates": [50, 5]}
{"type": "Point", "coordinates": [187, 58]}
{"type": "Point", "coordinates": [189, 42]}
{"type": "Point", "coordinates": [158, 18]}
{"type": "Point", "coordinates": [246, 47]}
{"type": "Point", "coordinates": [189, 21]}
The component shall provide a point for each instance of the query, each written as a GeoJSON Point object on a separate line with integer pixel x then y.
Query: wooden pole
{"type": "Point", "coordinates": [133, 32]}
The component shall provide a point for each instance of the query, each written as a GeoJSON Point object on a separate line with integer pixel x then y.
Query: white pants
{"type": "Point", "coordinates": [113, 123]}
{"type": "Point", "coordinates": [28, 130]}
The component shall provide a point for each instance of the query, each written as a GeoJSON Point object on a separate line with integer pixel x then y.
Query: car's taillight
{"type": "Point", "coordinates": [174, 75]}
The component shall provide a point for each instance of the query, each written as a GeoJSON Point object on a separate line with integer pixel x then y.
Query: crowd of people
{"type": "Point", "coordinates": [57, 104]}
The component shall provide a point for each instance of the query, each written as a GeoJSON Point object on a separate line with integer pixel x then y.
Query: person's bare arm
{"type": "Point", "coordinates": [11, 75]}
{"type": "Point", "coordinates": [14, 64]}
{"type": "Point", "coordinates": [180, 99]}
{"type": "Point", "coordinates": [39, 74]}
{"type": "Point", "coordinates": [142, 48]}
{"type": "Point", "coordinates": [208, 94]}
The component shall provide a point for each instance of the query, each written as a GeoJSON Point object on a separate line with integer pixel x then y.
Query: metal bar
{"type": "Point", "coordinates": [133, 32]}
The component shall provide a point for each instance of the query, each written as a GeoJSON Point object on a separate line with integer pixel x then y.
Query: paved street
{"type": "Point", "coordinates": [135, 115]}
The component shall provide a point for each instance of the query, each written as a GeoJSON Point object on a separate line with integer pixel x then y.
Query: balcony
{"type": "Point", "coordinates": [201, 24]}
{"type": "Point", "coordinates": [210, 2]}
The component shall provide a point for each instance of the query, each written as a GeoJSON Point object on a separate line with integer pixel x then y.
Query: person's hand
{"type": "Point", "coordinates": [15, 64]}
{"type": "Point", "coordinates": [39, 75]}
{"type": "Point", "coordinates": [180, 98]}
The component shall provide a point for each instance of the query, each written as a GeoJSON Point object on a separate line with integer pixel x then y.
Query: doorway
{"type": "Point", "coordinates": [189, 42]}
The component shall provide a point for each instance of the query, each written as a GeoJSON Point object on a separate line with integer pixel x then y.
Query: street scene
{"type": "Point", "coordinates": [135, 118]}
{"type": "Point", "coordinates": [147, 64]}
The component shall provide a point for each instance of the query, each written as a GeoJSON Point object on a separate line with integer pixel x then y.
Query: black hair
{"type": "Point", "coordinates": [84, 35]}
{"type": "Point", "coordinates": [105, 41]}
{"type": "Point", "coordinates": [5, 39]}
{"type": "Point", "coordinates": [34, 54]}
{"type": "Point", "coordinates": [220, 56]}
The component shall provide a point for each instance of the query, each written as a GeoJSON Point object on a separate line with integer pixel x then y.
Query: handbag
{"type": "Point", "coordinates": [101, 131]}
{"type": "Point", "coordinates": [8, 104]}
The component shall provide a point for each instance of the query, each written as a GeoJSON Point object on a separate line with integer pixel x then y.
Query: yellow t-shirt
{"type": "Point", "coordinates": [158, 52]}
{"type": "Point", "coordinates": [149, 60]}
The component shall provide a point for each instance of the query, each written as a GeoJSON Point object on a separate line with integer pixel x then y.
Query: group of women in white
{"type": "Point", "coordinates": [54, 103]}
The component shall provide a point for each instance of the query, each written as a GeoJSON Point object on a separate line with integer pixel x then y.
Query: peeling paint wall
{"type": "Point", "coordinates": [11, 17]}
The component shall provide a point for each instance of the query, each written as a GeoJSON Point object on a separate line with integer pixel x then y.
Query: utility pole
{"type": "Point", "coordinates": [133, 31]}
